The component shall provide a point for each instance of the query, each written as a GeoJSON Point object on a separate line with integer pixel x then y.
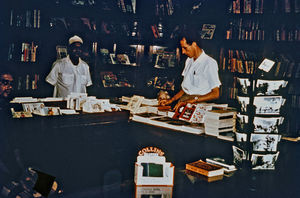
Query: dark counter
{"type": "Point", "coordinates": [97, 160]}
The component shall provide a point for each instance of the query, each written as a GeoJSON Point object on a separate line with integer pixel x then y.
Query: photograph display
{"type": "Point", "coordinates": [264, 162]}
{"type": "Point", "coordinates": [270, 87]}
{"type": "Point", "coordinates": [243, 86]}
{"type": "Point", "coordinates": [265, 142]}
{"type": "Point", "coordinates": [267, 125]}
{"type": "Point", "coordinates": [268, 104]}
{"type": "Point", "coordinates": [243, 102]}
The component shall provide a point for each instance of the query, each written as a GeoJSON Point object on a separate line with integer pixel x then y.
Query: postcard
{"type": "Point", "coordinates": [264, 162]}
{"type": "Point", "coordinates": [267, 125]}
{"type": "Point", "coordinates": [270, 87]}
{"type": "Point", "coordinates": [265, 142]}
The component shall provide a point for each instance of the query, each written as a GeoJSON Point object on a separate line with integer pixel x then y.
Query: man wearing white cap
{"type": "Point", "coordinates": [70, 74]}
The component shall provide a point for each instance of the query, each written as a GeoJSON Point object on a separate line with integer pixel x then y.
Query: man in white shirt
{"type": "Point", "coordinates": [200, 75]}
{"type": "Point", "coordinates": [70, 74]}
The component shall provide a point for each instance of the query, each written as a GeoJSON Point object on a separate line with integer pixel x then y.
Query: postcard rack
{"type": "Point", "coordinates": [259, 121]}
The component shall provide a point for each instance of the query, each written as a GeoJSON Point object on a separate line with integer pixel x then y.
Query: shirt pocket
{"type": "Point", "coordinates": [67, 79]}
{"type": "Point", "coordinates": [83, 79]}
{"type": "Point", "coordinates": [199, 78]}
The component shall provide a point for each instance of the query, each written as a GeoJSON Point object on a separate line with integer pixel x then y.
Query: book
{"type": "Point", "coordinates": [208, 31]}
{"type": "Point", "coordinates": [204, 168]}
{"type": "Point", "coordinates": [193, 177]}
{"type": "Point", "coordinates": [219, 114]}
{"type": "Point", "coordinates": [221, 162]}
{"type": "Point", "coordinates": [227, 135]}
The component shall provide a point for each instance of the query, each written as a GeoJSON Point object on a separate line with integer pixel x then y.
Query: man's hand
{"type": "Point", "coordinates": [165, 102]}
{"type": "Point", "coordinates": [178, 105]}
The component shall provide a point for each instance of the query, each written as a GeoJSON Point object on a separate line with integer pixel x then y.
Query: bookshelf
{"type": "Point", "coordinates": [257, 29]}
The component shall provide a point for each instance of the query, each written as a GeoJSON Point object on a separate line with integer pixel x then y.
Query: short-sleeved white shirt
{"type": "Point", "coordinates": [200, 76]}
{"type": "Point", "coordinates": [67, 78]}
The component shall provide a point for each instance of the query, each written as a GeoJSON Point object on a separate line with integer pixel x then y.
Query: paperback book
{"type": "Point", "coordinates": [204, 168]}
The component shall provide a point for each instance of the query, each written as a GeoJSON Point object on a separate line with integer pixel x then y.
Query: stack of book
{"type": "Point", "coordinates": [219, 122]}
{"type": "Point", "coordinates": [207, 171]}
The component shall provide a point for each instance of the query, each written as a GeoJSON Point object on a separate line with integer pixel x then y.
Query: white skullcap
{"type": "Point", "coordinates": [74, 39]}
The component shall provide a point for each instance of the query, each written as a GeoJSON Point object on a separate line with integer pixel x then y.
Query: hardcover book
{"type": "Point", "coordinates": [204, 168]}
{"type": "Point", "coordinates": [194, 177]}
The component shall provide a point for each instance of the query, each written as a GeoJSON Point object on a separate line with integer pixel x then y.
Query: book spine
{"type": "Point", "coordinates": [11, 21]}
{"type": "Point", "coordinates": [38, 18]}
{"type": "Point", "coordinates": [196, 170]}
{"type": "Point", "coordinates": [34, 18]}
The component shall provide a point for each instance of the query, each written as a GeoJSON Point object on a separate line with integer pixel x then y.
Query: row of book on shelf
{"type": "Point", "coordinates": [245, 29]}
{"type": "Point", "coordinates": [260, 6]}
{"type": "Point", "coordinates": [27, 52]}
{"type": "Point", "coordinates": [26, 18]}
{"type": "Point", "coordinates": [27, 82]}
{"type": "Point", "coordinates": [284, 33]}
{"type": "Point", "coordinates": [162, 7]}
{"type": "Point", "coordinates": [246, 6]}
{"type": "Point", "coordinates": [246, 62]}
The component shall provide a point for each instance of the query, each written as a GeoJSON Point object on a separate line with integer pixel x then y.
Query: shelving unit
{"type": "Point", "coordinates": [255, 30]}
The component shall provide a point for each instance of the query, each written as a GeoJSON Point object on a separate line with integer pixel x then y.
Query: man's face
{"type": "Point", "coordinates": [5, 85]}
{"type": "Point", "coordinates": [76, 49]}
{"type": "Point", "coordinates": [187, 49]}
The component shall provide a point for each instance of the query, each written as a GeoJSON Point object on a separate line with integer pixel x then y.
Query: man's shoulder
{"type": "Point", "coordinates": [60, 61]}
{"type": "Point", "coordinates": [83, 63]}
{"type": "Point", "coordinates": [210, 60]}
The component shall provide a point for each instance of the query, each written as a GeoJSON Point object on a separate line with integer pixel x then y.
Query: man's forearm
{"type": "Point", "coordinates": [214, 94]}
{"type": "Point", "coordinates": [177, 96]}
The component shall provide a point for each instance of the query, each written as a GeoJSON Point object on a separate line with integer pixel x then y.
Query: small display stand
{"type": "Point", "coordinates": [151, 168]}
{"type": "Point", "coordinates": [259, 120]}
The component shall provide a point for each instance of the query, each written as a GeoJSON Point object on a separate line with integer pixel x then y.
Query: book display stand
{"type": "Point", "coordinates": [151, 168]}
{"type": "Point", "coordinates": [259, 119]}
